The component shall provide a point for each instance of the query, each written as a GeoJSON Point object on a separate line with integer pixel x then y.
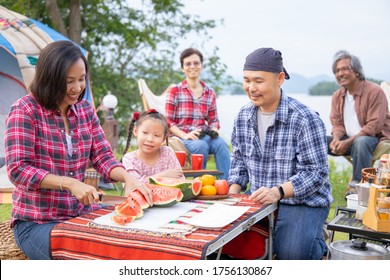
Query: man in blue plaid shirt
{"type": "Point", "coordinates": [279, 148]}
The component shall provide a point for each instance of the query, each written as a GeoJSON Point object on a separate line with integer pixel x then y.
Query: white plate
{"type": "Point", "coordinates": [216, 216]}
{"type": "Point", "coordinates": [153, 217]}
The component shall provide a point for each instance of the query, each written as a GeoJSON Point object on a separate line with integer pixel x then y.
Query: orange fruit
{"type": "Point", "coordinates": [208, 190]}
{"type": "Point", "coordinates": [207, 179]}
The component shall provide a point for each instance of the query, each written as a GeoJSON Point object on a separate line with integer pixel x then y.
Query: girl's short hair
{"type": "Point", "coordinates": [49, 85]}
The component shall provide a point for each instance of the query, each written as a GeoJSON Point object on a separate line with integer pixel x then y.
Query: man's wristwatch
{"type": "Point", "coordinates": [281, 191]}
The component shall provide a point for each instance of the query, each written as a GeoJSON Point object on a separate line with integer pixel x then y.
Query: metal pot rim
{"type": "Point", "coordinates": [344, 249]}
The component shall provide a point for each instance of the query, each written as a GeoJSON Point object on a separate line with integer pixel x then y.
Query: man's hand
{"type": "Point", "coordinates": [265, 195]}
{"type": "Point", "coordinates": [340, 147]}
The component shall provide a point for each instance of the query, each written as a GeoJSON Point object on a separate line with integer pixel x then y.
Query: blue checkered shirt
{"type": "Point", "coordinates": [295, 150]}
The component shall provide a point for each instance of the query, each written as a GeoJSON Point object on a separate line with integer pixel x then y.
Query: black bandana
{"type": "Point", "coordinates": [266, 59]}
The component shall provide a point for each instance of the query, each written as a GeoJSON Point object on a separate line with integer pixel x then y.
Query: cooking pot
{"type": "Point", "coordinates": [357, 250]}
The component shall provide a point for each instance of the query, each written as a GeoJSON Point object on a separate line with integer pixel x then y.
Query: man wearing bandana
{"type": "Point", "coordinates": [279, 148]}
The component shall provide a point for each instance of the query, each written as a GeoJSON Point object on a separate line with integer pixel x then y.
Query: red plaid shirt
{"type": "Point", "coordinates": [35, 145]}
{"type": "Point", "coordinates": [188, 113]}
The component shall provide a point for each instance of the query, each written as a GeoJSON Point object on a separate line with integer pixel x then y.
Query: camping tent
{"type": "Point", "coordinates": [21, 41]}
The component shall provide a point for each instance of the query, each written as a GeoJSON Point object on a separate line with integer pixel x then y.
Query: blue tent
{"type": "Point", "coordinates": [22, 37]}
{"type": "Point", "coordinates": [21, 41]}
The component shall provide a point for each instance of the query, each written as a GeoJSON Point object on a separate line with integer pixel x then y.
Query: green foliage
{"type": "Point", "coordinates": [323, 88]}
{"type": "Point", "coordinates": [5, 212]}
{"type": "Point", "coordinates": [237, 90]}
{"type": "Point", "coordinates": [128, 41]}
{"type": "Point", "coordinates": [339, 180]}
{"type": "Point", "coordinates": [328, 88]}
{"type": "Point", "coordinates": [375, 81]}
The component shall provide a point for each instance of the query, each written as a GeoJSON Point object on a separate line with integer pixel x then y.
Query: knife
{"type": "Point", "coordinates": [111, 199]}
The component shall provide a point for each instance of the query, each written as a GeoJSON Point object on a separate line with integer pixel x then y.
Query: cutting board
{"type": "Point", "coordinates": [153, 218]}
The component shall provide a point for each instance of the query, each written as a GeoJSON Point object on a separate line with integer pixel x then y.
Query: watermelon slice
{"type": "Point", "coordinates": [123, 220]}
{"type": "Point", "coordinates": [165, 196]}
{"type": "Point", "coordinates": [189, 188]}
{"type": "Point", "coordinates": [130, 207]}
{"type": "Point", "coordinates": [139, 197]}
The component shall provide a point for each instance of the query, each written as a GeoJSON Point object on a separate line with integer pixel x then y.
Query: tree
{"type": "Point", "coordinates": [127, 40]}
{"type": "Point", "coordinates": [323, 88]}
{"type": "Point", "coordinates": [328, 88]}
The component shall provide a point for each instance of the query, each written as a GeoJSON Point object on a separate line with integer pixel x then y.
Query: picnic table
{"type": "Point", "coordinates": [77, 239]}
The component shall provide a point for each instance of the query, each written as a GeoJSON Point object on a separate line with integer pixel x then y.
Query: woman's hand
{"type": "Point", "coordinates": [86, 194]}
{"type": "Point", "coordinates": [193, 135]}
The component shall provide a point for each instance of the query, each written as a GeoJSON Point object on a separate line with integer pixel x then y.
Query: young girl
{"type": "Point", "coordinates": [151, 159]}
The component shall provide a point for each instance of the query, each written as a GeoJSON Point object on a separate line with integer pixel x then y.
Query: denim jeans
{"type": "Point", "coordinates": [298, 232]}
{"type": "Point", "coordinates": [206, 146]}
{"type": "Point", "coordinates": [34, 239]}
{"type": "Point", "coordinates": [361, 152]}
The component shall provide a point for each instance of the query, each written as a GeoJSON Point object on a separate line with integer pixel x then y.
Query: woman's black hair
{"type": "Point", "coordinates": [188, 52]}
{"type": "Point", "coordinates": [138, 119]}
{"type": "Point", "coordinates": [49, 84]}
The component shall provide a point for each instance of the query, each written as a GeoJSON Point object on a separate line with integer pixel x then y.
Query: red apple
{"type": "Point", "coordinates": [222, 187]}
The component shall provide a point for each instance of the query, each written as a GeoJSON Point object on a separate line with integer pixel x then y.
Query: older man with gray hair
{"type": "Point", "coordinates": [359, 115]}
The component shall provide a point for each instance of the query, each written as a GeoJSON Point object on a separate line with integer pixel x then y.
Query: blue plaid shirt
{"type": "Point", "coordinates": [295, 150]}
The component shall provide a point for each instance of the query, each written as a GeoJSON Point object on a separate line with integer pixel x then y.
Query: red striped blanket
{"type": "Point", "coordinates": [74, 239]}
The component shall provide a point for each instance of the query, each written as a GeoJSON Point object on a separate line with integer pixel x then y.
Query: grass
{"type": "Point", "coordinates": [338, 178]}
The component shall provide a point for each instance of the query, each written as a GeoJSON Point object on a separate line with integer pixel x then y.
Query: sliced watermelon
{"type": "Point", "coordinates": [189, 188]}
{"type": "Point", "coordinates": [123, 220]}
{"type": "Point", "coordinates": [165, 196]}
{"type": "Point", "coordinates": [130, 207]}
{"type": "Point", "coordinates": [196, 186]}
{"type": "Point", "coordinates": [139, 197]}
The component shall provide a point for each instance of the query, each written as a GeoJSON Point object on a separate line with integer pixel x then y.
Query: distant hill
{"type": "Point", "coordinates": [300, 84]}
{"type": "Point", "coordinates": [296, 84]}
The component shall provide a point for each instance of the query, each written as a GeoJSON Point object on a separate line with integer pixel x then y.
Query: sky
{"type": "Point", "coordinates": [308, 33]}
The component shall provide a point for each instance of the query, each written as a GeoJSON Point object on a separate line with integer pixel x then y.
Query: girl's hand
{"type": "Point", "coordinates": [132, 184]}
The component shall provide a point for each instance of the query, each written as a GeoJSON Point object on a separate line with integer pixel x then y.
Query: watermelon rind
{"type": "Point", "coordinates": [168, 203]}
{"type": "Point", "coordinates": [186, 186]}
{"type": "Point", "coordinates": [163, 196]}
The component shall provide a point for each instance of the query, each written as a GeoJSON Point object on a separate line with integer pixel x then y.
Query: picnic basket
{"type": "Point", "coordinates": [370, 172]}
{"type": "Point", "coordinates": [8, 248]}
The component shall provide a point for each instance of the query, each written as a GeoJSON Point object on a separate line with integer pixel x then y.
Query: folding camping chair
{"type": "Point", "coordinates": [150, 100]}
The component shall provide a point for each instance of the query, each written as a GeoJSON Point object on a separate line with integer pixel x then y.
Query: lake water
{"type": "Point", "coordinates": [229, 106]}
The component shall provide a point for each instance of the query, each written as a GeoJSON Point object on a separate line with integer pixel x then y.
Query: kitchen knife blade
{"type": "Point", "coordinates": [111, 199]}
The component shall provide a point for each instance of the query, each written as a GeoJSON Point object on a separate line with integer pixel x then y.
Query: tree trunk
{"type": "Point", "coordinates": [75, 26]}
{"type": "Point", "coordinates": [55, 16]}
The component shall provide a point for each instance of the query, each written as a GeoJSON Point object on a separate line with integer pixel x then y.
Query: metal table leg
{"type": "Point", "coordinates": [271, 217]}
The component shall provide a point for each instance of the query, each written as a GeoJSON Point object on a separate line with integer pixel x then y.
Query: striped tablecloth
{"type": "Point", "coordinates": [74, 239]}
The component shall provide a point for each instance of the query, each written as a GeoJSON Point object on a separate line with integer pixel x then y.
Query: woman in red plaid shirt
{"type": "Point", "coordinates": [51, 135]}
{"type": "Point", "coordinates": [191, 112]}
